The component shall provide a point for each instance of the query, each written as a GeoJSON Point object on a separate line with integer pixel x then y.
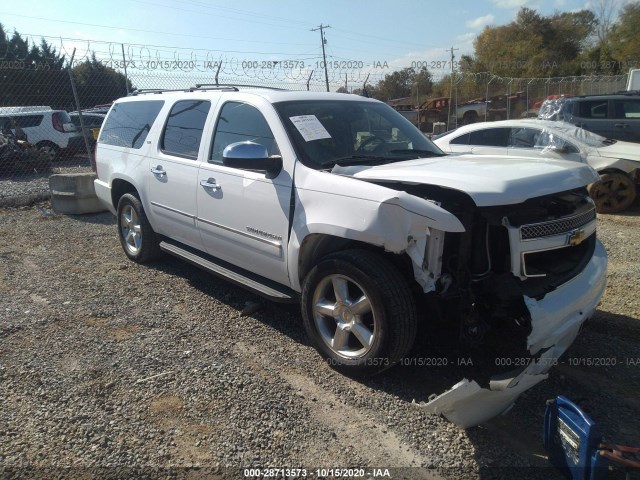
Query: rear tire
{"type": "Point", "coordinates": [358, 312]}
{"type": "Point", "coordinates": [613, 193]}
{"type": "Point", "coordinates": [139, 242]}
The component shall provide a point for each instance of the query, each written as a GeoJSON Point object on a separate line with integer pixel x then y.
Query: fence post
{"type": "Point", "coordinates": [124, 62]}
{"type": "Point", "coordinates": [309, 79]}
{"type": "Point", "coordinates": [79, 108]}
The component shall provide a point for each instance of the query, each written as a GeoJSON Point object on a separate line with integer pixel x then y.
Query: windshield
{"type": "Point", "coordinates": [326, 133]}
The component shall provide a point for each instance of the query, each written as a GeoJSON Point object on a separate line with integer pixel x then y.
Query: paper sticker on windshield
{"type": "Point", "coordinates": [310, 127]}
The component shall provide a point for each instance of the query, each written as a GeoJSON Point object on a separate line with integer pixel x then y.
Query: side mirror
{"type": "Point", "coordinates": [251, 156]}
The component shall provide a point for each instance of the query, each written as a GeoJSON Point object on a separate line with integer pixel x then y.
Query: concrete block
{"type": "Point", "coordinates": [74, 194]}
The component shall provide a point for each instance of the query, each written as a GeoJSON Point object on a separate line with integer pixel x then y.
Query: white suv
{"type": "Point", "coordinates": [340, 203]}
{"type": "Point", "coordinates": [50, 130]}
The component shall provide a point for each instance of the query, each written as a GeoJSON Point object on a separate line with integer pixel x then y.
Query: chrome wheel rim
{"type": "Point", "coordinates": [344, 317]}
{"type": "Point", "coordinates": [130, 230]}
{"type": "Point", "coordinates": [48, 153]}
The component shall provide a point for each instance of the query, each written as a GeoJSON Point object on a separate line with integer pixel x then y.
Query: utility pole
{"type": "Point", "coordinates": [451, 88]}
{"type": "Point", "coordinates": [324, 57]}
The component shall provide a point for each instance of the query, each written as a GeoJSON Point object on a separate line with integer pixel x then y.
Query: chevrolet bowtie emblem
{"type": "Point", "coordinates": [576, 237]}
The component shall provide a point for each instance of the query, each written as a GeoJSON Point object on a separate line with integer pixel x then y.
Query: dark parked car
{"type": "Point", "coordinates": [615, 115]}
{"type": "Point", "coordinates": [91, 121]}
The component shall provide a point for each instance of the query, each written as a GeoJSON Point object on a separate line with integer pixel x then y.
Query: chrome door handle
{"type": "Point", "coordinates": [621, 125]}
{"type": "Point", "coordinates": [210, 183]}
{"type": "Point", "coordinates": [158, 171]}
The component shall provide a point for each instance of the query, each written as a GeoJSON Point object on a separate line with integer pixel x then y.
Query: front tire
{"type": "Point", "coordinates": [613, 193]}
{"type": "Point", "coordinates": [48, 151]}
{"type": "Point", "coordinates": [139, 242]}
{"type": "Point", "coordinates": [358, 312]}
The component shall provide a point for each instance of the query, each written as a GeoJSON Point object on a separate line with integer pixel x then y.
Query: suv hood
{"type": "Point", "coordinates": [488, 179]}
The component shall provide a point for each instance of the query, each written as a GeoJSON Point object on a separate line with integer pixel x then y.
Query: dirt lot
{"type": "Point", "coordinates": [113, 369]}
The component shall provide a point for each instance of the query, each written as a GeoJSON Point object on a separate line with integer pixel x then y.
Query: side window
{"type": "Point", "coordinates": [523, 137]}
{"type": "Point", "coordinates": [490, 137]}
{"type": "Point", "coordinates": [547, 139]}
{"type": "Point", "coordinates": [461, 140]}
{"type": "Point", "coordinates": [26, 121]}
{"type": "Point", "coordinates": [593, 109]}
{"type": "Point", "coordinates": [183, 131]}
{"type": "Point", "coordinates": [240, 122]}
{"type": "Point", "coordinates": [626, 109]}
{"type": "Point", "coordinates": [128, 123]}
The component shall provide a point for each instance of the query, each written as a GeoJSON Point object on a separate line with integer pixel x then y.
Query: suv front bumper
{"type": "Point", "coordinates": [556, 320]}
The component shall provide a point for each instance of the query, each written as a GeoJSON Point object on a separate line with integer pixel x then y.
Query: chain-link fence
{"type": "Point", "coordinates": [50, 111]}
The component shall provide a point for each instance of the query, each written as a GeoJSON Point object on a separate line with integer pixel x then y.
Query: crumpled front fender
{"type": "Point", "coordinates": [353, 209]}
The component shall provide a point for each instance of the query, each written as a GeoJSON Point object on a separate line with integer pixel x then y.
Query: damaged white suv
{"type": "Point", "coordinates": [339, 202]}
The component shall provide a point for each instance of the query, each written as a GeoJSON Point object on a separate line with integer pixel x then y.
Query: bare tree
{"type": "Point", "coordinates": [605, 12]}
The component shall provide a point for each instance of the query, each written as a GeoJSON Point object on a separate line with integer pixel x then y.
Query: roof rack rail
{"type": "Point", "coordinates": [213, 86]}
{"type": "Point", "coordinates": [146, 91]}
{"type": "Point", "coordinates": [235, 87]}
{"type": "Point", "coordinates": [620, 92]}
{"type": "Point", "coordinates": [200, 86]}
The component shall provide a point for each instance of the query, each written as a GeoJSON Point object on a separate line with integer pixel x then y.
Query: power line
{"type": "Point", "coordinates": [148, 31]}
{"type": "Point", "coordinates": [243, 12]}
{"type": "Point", "coordinates": [242, 19]}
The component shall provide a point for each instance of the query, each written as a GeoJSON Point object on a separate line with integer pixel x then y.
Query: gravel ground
{"type": "Point", "coordinates": [117, 370]}
{"type": "Point", "coordinates": [15, 188]}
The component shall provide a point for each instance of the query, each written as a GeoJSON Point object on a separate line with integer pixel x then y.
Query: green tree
{"type": "Point", "coordinates": [624, 39]}
{"type": "Point", "coordinates": [403, 83]}
{"type": "Point", "coordinates": [534, 45]}
{"type": "Point", "coordinates": [50, 56]}
{"type": "Point", "coordinates": [422, 84]}
{"type": "Point", "coordinates": [98, 84]}
{"type": "Point", "coordinates": [397, 84]}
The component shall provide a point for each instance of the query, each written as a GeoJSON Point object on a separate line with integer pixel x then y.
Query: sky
{"type": "Point", "coordinates": [373, 35]}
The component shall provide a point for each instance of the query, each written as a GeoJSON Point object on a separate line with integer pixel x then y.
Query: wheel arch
{"type": "Point", "coordinates": [631, 175]}
{"type": "Point", "coordinates": [119, 187]}
{"type": "Point", "coordinates": [318, 245]}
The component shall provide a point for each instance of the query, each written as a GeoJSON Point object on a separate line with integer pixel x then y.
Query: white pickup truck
{"type": "Point", "coordinates": [339, 203]}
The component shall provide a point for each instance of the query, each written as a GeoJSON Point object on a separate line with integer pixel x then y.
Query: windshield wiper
{"type": "Point", "coordinates": [361, 160]}
{"type": "Point", "coordinates": [420, 153]}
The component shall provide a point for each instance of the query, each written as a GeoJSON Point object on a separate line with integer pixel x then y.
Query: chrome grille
{"type": "Point", "coordinates": [556, 227]}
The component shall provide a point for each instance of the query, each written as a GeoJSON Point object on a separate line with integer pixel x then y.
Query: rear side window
{"type": "Point", "coordinates": [491, 137]}
{"type": "Point", "coordinates": [524, 137]}
{"type": "Point", "coordinates": [461, 140]}
{"type": "Point", "coordinates": [26, 121]}
{"type": "Point", "coordinates": [626, 109]}
{"type": "Point", "coordinates": [90, 121]}
{"type": "Point", "coordinates": [128, 123]}
{"type": "Point", "coordinates": [240, 122]}
{"type": "Point", "coordinates": [183, 131]}
{"type": "Point", "coordinates": [593, 108]}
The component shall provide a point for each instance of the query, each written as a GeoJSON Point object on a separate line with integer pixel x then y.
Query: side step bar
{"type": "Point", "coordinates": [243, 279]}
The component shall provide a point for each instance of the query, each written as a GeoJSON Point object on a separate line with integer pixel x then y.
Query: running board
{"type": "Point", "coordinates": [243, 279]}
